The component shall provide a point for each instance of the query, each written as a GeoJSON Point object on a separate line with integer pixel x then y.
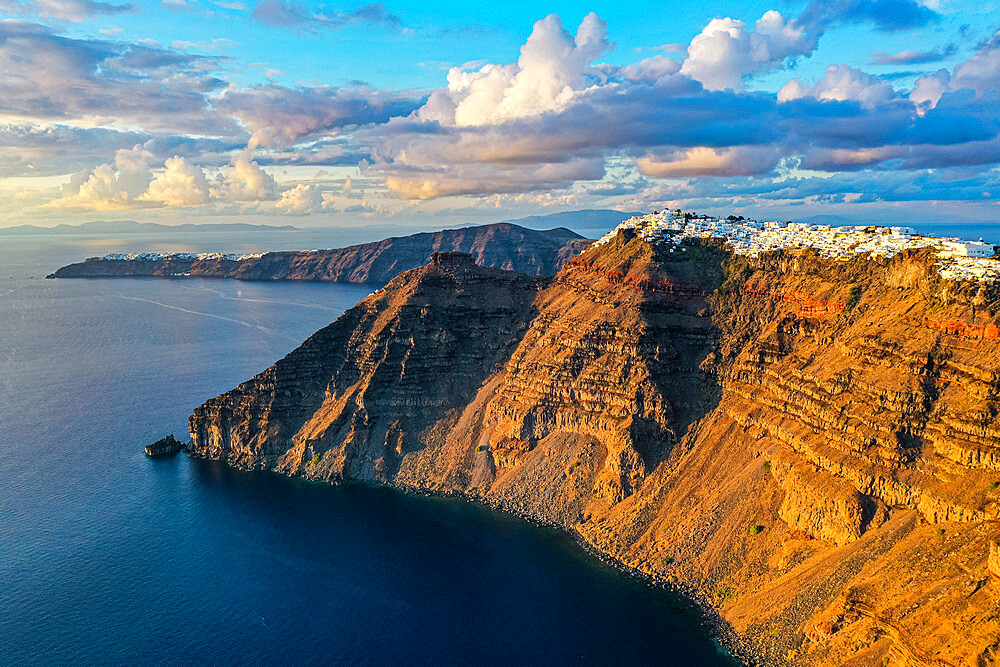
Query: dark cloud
{"type": "Point", "coordinates": [847, 187]}
{"type": "Point", "coordinates": [920, 185]}
{"type": "Point", "coordinates": [278, 116]}
{"type": "Point", "coordinates": [48, 76]}
{"type": "Point", "coordinates": [35, 150]}
{"type": "Point", "coordinates": [27, 148]}
{"type": "Point", "coordinates": [335, 152]}
{"type": "Point", "coordinates": [912, 57]}
{"type": "Point", "coordinates": [477, 179]}
{"type": "Point", "coordinates": [673, 128]}
{"type": "Point", "coordinates": [294, 15]}
{"type": "Point", "coordinates": [74, 11]}
{"type": "Point", "coordinates": [887, 15]}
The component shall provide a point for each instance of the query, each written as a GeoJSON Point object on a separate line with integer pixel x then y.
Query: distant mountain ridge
{"type": "Point", "coordinates": [585, 221]}
{"type": "Point", "coordinates": [134, 227]}
{"type": "Point", "coordinates": [500, 245]}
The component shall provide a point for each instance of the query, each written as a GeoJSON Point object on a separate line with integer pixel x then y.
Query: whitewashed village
{"type": "Point", "coordinates": [157, 256]}
{"type": "Point", "coordinates": [957, 259]}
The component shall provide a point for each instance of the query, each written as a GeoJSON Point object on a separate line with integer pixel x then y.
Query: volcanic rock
{"type": "Point", "coordinates": [167, 446]}
{"type": "Point", "coordinates": [501, 245]}
{"type": "Point", "coordinates": [798, 440]}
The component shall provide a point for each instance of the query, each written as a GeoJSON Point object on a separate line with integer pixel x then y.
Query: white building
{"type": "Point", "coordinates": [967, 249]}
{"type": "Point", "coordinates": [958, 260]}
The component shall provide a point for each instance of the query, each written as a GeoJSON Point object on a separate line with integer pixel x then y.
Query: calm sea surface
{"type": "Point", "coordinates": [108, 557]}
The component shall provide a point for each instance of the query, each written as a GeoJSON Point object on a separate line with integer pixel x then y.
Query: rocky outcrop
{"type": "Point", "coordinates": [501, 245]}
{"type": "Point", "coordinates": [355, 399]}
{"type": "Point", "coordinates": [783, 434]}
{"type": "Point", "coordinates": [167, 446]}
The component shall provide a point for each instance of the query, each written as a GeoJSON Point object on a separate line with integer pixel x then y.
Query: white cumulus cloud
{"type": "Point", "coordinates": [131, 182]}
{"type": "Point", "coordinates": [546, 77]}
{"type": "Point", "coordinates": [725, 52]}
{"type": "Point", "coordinates": [180, 184]}
{"type": "Point", "coordinates": [108, 187]}
{"type": "Point", "coordinates": [245, 181]}
{"type": "Point", "coordinates": [841, 82]}
{"type": "Point", "coordinates": [304, 198]}
{"type": "Point", "coordinates": [980, 73]}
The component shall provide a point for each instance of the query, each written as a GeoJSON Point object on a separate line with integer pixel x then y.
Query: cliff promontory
{"type": "Point", "coordinates": [501, 245]}
{"type": "Point", "coordinates": [810, 444]}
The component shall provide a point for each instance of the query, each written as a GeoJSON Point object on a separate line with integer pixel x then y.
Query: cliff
{"type": "Point", "coordinates": [813, 445]}
{"type": "Point", "coordinates": [501, 245]}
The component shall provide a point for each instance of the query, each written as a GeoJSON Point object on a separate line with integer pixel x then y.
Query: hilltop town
{"type": "Point", "coordinates": [957, 259]}
{"type": "Point", "coordinates": [157, 256]}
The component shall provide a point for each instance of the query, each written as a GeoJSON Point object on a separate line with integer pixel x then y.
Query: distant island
{"type": "Point", "coordinates": [133, 227]}
{"type": "Point", "coordinates": [500, 245]}
{"type": "Point", "coordinates": [583, 220]}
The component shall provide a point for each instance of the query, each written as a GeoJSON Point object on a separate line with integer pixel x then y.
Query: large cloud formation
{"type": "Point", "coordinates": [278, 116]}
{"type": "Point", "coordinates": [725, 51]}
{"type": "Point", "coordinates": [47, 76]}
{"type": "Point", "coordinates": [486, 133]}
{"type": "Point", "coordinates": [546, 77]}
{"type": "Point", "coordinates": [558, 124]}
{"type": "Point", "coordinates": [131, 181]}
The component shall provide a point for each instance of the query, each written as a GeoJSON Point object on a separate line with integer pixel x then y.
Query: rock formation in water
{"type": "Point", "coordinates": [167, 446]}
{"type": "Point", "coordinates": [501, 245]}
{"type": "Point", "coordinates": [812, 444]}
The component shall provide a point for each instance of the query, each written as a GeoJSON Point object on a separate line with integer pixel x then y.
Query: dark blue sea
{"type": "Point", "coordinates": [109, 557]}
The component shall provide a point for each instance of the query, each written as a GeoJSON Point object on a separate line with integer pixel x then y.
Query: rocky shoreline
{"type": "Point", "coordinates": [793, 443]}
{"type": "Point", "coordinates": [737, 646]}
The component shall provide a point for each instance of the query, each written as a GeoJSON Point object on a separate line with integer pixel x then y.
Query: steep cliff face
{"type": "Point", "coordinates": [812, 444]}
{"type": "Point", "coordinates": [354, 398]}
{"type": "Point", "coordinates": [501, 245]}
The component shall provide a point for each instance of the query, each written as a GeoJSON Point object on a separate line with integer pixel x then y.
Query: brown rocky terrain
{"type": "Point", "coordinates": [810, 445]}
{"type": "Point", "coordinates": [502, 245]}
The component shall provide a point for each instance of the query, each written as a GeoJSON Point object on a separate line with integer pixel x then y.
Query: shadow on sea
{"type": "Point", "coordinates": [457, 581]}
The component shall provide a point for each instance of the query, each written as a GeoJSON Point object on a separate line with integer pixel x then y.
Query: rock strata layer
{"type": "Point", "coordinates": [501, 245]}
{"type": "Point", "coordinates": [786, 434]}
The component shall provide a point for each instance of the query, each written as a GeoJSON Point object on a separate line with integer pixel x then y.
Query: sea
{"type": "Point", "coordinates": [109, 557]}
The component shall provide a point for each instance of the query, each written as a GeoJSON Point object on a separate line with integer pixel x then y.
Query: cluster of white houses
{"type": "Point", "coordinates": [958, 260]}
{"type": "Point", "coordinates": [157, 256]}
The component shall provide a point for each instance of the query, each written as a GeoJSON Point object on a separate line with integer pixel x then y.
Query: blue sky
{"type": "Point", "coordinates": [354, 113]}
{"type": "Point", "coordinates": [438, 34]}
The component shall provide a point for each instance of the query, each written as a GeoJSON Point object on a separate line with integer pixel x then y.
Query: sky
{"type": "Point", "coordinates": [402, 112]}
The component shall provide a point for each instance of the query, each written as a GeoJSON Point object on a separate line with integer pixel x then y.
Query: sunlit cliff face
{"type": "Point", "coordinates": [811, 444]}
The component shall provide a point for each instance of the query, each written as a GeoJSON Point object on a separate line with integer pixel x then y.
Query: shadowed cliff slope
{"type": "Point", "coordinates": [813, 445]}
{"type": "Point", "coordinates": [501, 245]}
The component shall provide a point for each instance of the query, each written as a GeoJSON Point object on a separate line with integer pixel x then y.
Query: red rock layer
{"type": "Point", "coordinates": [827, 475]}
